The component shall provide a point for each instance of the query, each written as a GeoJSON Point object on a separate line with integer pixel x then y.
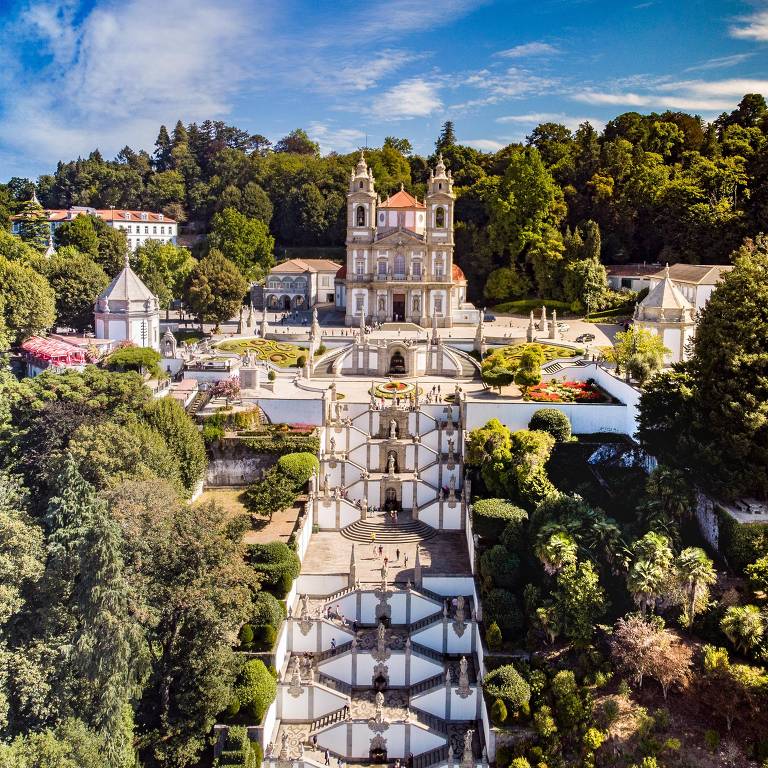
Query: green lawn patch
{"type": "Point", "coordinates": [280, 353]}
{"type": "Point", "coordinates": [524, 306]}
{"type": "Point", "coordinates": [509, 356]}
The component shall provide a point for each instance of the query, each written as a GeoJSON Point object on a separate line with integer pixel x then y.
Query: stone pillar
{"type": "Point", "coordinates": [352, 568]}
{"type": "Point", "coordinates": [554, 331]}
{"type": "Point", "coordinates": [544, 324]}
{"type": "Point", "coordinates": [417, 568]}
{"type": "Point", "coordinates": [530, 333]}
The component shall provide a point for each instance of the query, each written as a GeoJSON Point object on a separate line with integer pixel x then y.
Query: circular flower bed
{"type": "Point", "coordinates": [281, 353]}
{"type": "Point", "coordinates": [278, 357]}
{"type": "Point", "coordinates": [394, 389]}
{"type": "Point", "coordinates": [566, 392]}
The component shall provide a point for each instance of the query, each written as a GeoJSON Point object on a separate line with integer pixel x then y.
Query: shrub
{"type": "Point", "coordinates": [267, 610]}
{"type": "Point", "coordinates": [301, 361]}
{"type": "Point", "coordinates": [491, 516]}
{"type": "Point", "coordinates": [233, 707]}
{"type": "Point", "coordinates": [711, 740]}
{"type": "Point", "coordinates": [501, 606]}
{"type": "Point", "coordinates": [212, 433]}
{"type": "Point", "coordinates": [513, 536]}
{"type": "Point", "coordinates": [519, 762]}
{"type": "Point", "coordinates": [506, 683]}
{"type": "Point", "coordinates": [321, 350]}
{"type": "Point", "coordinates": [271, 376]}
{"type": "Point", "coordinates": [493, 636]}
{"type": "Point", "coordinates": [255, 688]}
{"type": "Point", "coordinates": [266, 636]}
{"type": "Point", "coordinates": [246, 635]}
{"type": "Point", "coordinates": [554, 422]}
{"type": "Point", "coordinates": [757, 573]}
{"type": "Point", "coordinates": [498, 712]}
{"type": "Point", "coordinates": [298, 467]}
{"type": "Point", "coordinates": [277, 564]}
{"type": "Point", "coordinates": [610, 712]}
{"type": "Point", "coordinates": [741, 543]}
{"type": "Point", "coordinates": [499, 567]}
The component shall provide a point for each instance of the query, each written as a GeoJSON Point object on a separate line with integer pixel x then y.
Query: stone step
{"type": "Point", "coordinates": [405, 531]}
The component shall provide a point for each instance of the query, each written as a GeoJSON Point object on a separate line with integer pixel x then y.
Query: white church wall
{"type": "Point", "coordinates": [314, 701]}
{"type": "Point", "coordinates": [425, 493]}
{"type": "Point", "coordinates": [430, 514]}
{"type": "Point", "coordinates": [319, 636]}
{"type": "Point", "coordinates": [432, 637]}
{"type": "Point", "coordinates": [348, 513]}
{"type": "Point", "coordinates": [293, 411]}
{"type": "Point", "coordinates": [452, 516]}
{"type": "Point", "coordinates": [450, 586]}
{"type": "Point", "coordinates": [432, 702]}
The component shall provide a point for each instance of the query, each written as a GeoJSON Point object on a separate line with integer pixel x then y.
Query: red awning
{"type": "Point", "coordinates": [53, 351]}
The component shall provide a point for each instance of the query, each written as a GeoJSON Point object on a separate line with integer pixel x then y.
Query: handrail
{"type": "Point", "coordinates": [426, 621]}
{"type": "Point", "coordinates": [334, 684]}
{"type": "Point", "coordinates": [428, 652]}
{"type": "Point", "coordinates": [437, 681]}
{"type": "Point", "coordinates": [331, 652]}
{"type": "Point", "coordinates": [432, 722]}
{"type": "Point", "coordinates": [434, 757]}
{"type": "Point", "coordinates": [330, 718]}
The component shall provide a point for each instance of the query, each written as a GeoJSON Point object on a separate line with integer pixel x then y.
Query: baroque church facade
{"type": "Point", "coordinates": [400, 253]}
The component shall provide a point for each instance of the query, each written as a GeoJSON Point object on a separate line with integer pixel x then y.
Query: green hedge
{"type": "Point", "coordinates": [500, 568]}
{"type": "Point", "coordinates": [239, 750]}
{"type": "Point", "coordinates": [299, 466]}
{"type": "Point", "coordinates": [741, 543]}
{"type": "Point", "coordinates": [507, 684]}
{"type": "Point", "coordinates": [255, 689]}
{"type": "Point", "coordinates": [491, 516]}
{"type": "Point", "coordinates": [277, 564]}
{"type": "Point", "coordinates": [501, 606]}
{"type": "Point", "coordinates": [524, 306]}
{"type": "Point", "coordinates": [281, 444]}
{"type": "Point", "coordinates": [554, 422]}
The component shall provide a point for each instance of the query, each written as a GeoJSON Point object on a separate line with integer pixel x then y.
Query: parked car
{"type": "Point", "coordinates": [563, 327]}
{"type": "Point", "coordinates": [488, 317]}
{"type": "Point", "coordinates": [585, 337]}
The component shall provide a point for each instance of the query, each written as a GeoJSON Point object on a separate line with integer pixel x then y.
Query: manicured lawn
{"type": "Point", "coordinates": [509, 357]}
{"type": "Point", "coordinates": [278, 352]}
{"type": "Point", "coordinates": [524, 306]}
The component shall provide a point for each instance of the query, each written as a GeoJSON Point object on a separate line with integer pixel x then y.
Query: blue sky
{"type": "Point", "coordinates": [79, 74]}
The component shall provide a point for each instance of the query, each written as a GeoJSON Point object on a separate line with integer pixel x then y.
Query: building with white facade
{"type": "Point", "coordinates": [138, 226]}
{"type": "Point", "coordinates": [668, 313]}
{"type": "Point", "coordinates": [400, 254]}
{"type": "Point", "coordinates": [695, 281]}
{"type": "Point", "coordinates": [631, 277]}
{"type": "Point", "coordinates": [300, 284]}
{"type": "Point", "coordinates": [126, 310]}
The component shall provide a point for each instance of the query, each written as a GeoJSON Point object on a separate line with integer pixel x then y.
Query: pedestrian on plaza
{"type": "Point", "coordinates": [397, 555]}
{"type": "Point", "coordinates": [381, 551]}
{"type": "Point", "coordinates": [405, 559]}
{"type": "Point", "coordinates": [327, 757]}
{"type": "Point", "coordinates": [386, 560]}
{"type": "Point", "coordinates": [333, 651]}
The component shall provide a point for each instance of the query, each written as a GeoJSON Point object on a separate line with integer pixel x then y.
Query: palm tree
{"type": "Point", "coordinates": [673, 492]}
{"type": "Point", "coordinates": [645, 582]}
{"type": "Point", "coordinates": [695, 573]}
{"type": "Point", "coordinates": [555, 550]}
{"type": "Point", "coordinates": [744, 626]}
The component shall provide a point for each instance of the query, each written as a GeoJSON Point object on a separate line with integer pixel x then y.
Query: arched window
{"type": "Point", "coordinates": [399, 264]}
{"type": "Point", "coordinates": [440, 217]}
{"type": "Point", "coordinates": [360, 185]}
{"type": "Point", "coordinates": [360, 216]}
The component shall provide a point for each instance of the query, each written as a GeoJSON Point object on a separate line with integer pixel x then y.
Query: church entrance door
{"type": "Point", "coordinates": [398, 306]}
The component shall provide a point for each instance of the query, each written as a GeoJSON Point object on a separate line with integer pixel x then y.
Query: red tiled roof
{"type": "Point", "coordinates": [342, 273]}
{"type": "Point", "coordinates": [62, 214]}
{"type": "Point", "coordinates": [292, 266]}
{"type": "Point", "coordinates": [402, 199]}
{"type": "Point", "coordinates": [457, 274]}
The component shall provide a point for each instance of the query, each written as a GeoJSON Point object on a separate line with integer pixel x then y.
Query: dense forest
{"type": "Point", "coordinates": [659, 187]}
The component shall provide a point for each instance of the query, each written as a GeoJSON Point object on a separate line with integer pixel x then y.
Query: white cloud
{"type": "Point", "coordinates": [485, 145]}
{"type": "Point", "coordinates": [695, 95]}
{"type": "Point", "coordinates": [529, 50]}
{"type": "Point", "coordinates": [395, 18]}
{"type": "Point", "coordinates": [721, 62]}
{"type": "Point", "coordinates": [533, 119]}
{"type": "Point", "coordinates": [754, 27]}
{"type": "Point", "coordinates": [413, 98]}
{"type": "Point", "coordinates": [336, 139]}
{"type": "Point", "coordinates": [108, 84]}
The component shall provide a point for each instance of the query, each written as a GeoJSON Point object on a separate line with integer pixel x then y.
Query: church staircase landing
{"type": "Point", "coordinates": [405, 531]}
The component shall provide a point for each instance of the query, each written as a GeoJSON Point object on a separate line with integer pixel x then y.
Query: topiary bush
{"type": "Point", "coordinates": [140, 359]}
{"type": "Point", "coordinates": [491, 516]}
{"type": "Point", "coordinates": [498, 712]}
{"type": "Point", "coordinates": [554, 422]}
{"type": "Point", "coordinates": [502, 607]}
{"type": "Point", "coordinates": [506, 683]}
{"type": "Point", "coordinates": [500, 568]}
{"type": "Point", "coordinates": [493, 636]}
{"type": "Point", "coordinates": [277, 564]}
{"type": "Point", "coordinates": [256, 688]}
{"type": "Point", "coordinates": [275, 491]}
{"type": "Point", "coordinates": [298, 467]}
{"type": "Point", "coordinates": [513, 537]}
{"type": "Point", "coordinates": [301, 361]}
{"type": "Point", "coordinates": [265, 637]}
{"type": "Point", "coordinates": [267, 609]}
{"type": "Point", "coordinates": [246, 636]}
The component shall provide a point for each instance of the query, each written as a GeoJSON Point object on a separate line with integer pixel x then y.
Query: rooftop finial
{"type": "Point", "coordinates": [127, 262]}
{"type": "Point", "coordinates": [666, 270]}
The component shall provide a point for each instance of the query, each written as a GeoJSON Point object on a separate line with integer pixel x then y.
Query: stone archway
{"type": "Point", "coordinates": [397, 365]}
{"type": "Point", "coordinates": [285, 303]}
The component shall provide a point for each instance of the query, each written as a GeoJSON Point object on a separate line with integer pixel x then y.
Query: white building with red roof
{"type": "Point", "coordinates": [400, 254]}
{"type": "Point", "coordinates": [138, 226]}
